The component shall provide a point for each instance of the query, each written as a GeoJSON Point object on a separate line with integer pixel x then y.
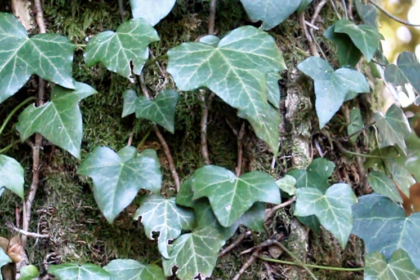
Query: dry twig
{"type": "Point", "coordinates": [273, 210]}
{"type": "Point", "coordinates": [234, 243]}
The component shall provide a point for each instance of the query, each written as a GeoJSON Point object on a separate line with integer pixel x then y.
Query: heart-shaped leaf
{"type": "Point", "coordinates": [125, 51]}
{"type": "Point", "coordinates": [365, 37]}
{"type": "Point", "coordinates": [407, 71]}
{"type": "Point", "coordinates": [402, 177]}
{"type": "Point", "coordinates": [161, 110]}
{"type": "Point", "coordinates": [117, 178]}
{"type": "Point", "coordinates": [60, 120]}
{"type": "Point", "coordinates": [333, 209]}
{"type": "Point", "coordinates": [273, 89]}
{"type": "Point", "coordinates": [28, 272]}
{"type": "Point", "coordinates": [356, 123]}
{"type": "Point", "coordinates": [384, 227]}
{"type": "Point", "coordinates": [133, 270]}
{"type": "Point", "coordinates": [230, 196]}
{"type": "Point", "coordinates": [151, 10]}
{"type": "Point", "coordinates": [235, 69]}
{"type": "Point", "coordinates": [11, 175]}
{"type": "Point", "coordinates": [382, 184]}
{"type": "Point", "coordinates": [331, 87]}
{"type": "Point", "coordinates": [393, 127]}
{"type": "Point", "coordinates": [367, 13]}
{"type": "Point", "coordinates": [164, 216]}
{"type": "Point", "coordinates": [411, 161]}
{"type": "Point", "coordinates": [194, 254]}
{"type": "Point", "coordinates": [398, 267]}
{"type": "Point", "coordinates": [315, 176]}
{"type": "Point", "coordinates": [348, 54]}
{"type": "Point", "coordinates": [72, 271]}
{"type": "Point", "coordinates": [287, 184]}
{"type": "Point", "coordinates": [47, 55]}
{"type": "Point", "coordinates": [270, 12]}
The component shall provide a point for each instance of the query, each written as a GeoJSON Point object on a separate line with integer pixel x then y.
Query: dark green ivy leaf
{"type": "Point", "coordinates": [230, 196]}
{"type": "Point", "coordinates": [117, 178]}
{"type": "Point", "coordinates": [151, 10]}
{"type": "Point", "coordinates": [125, 51]}
{"type": "Point", "coordinates": [133, 270]}
{"type": "Point", "coordinates": [60, 120]}
{"type": "Point", "coordinates": [402, 177]}
{"type": "Point", "coordinates": [11, 175]}
{"type": "Point", "coordinates": [407, 71]}
{"type": "Point", "coordinates": [50, 56]}
{"type": "Point", "coordinates": [356, 123]}
{"type": "Point", "coordinates": [270, 12]}
{"type": "Point", "coordinates": [382, 184]}
{"type": "Point", "coordinates": [398, 267]}
{"type": "Point", "coordinates": [367, 13]}
{"type": "Point", "coordinates": [348, 54]}
{"type": "Point", "coordinates": [164, 216]}
{"type": "Point", "coordinates": [384, 227]}
{"type": "Point", "coordinates": [273, 88]}
{"type": "Point", "coordinates": [331, 87]}
{"type": "Point", "coordinates": [161, 110]}
{"type": "Point", "coordinates": [393, 127]}
{"type": "Point", "coordinates": [365, 37]}
{"type": "Point", "coordinates": [29, 272]}
{"type": "Point", "coordinates": [72, 271]}
{"type": "Point", "coordinates": [332, 208]}
{"type": "Point", "coordinates": [194, 254]}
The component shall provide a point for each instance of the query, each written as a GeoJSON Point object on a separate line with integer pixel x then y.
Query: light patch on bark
{"type": "Point", "coordinates": [22, 10]}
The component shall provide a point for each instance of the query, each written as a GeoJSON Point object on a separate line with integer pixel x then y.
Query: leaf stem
{"type": "Point", "coordinates": [313, 265]}
{"type": "Point", "coordinates": [4, 150]}
{"type": "Point", "coordinates": [360, 155]}
{"type": "Point", "coordinates": [156, 59]}
{"type": "Point", "coordinates": [391, 15]}
{"type": "Point", "coordinates": [143, 140]}
{"type": "Point", "coordinates": [360, 130]}
{"type": "Point", "coordinates": [14, 112]}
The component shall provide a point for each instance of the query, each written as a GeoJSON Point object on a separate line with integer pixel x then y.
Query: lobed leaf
{"type": "Point", "coordinates": [331, 87]}
{"type": "Point", "coordinates": [117, 178]}
{"type": "Point", "coordinates": [382, 184]}
{"type": "Point", "coordinates": [29, 272]}
{"type": "Point", "coordinates": [60, 120]}
{"type": "Point", "coordinates": [133, 270]}
{"type": "Point", "coordinates": [151, 10]}
{"type": "Point", "coordinates": [333, 209]}
{"type": "Point", "coordinates": [287, 184]}
{"type": "Point", "coordinates": [194, 254]}
{"type": "Point", "coordinates": [11, 175]}
{"type": "Point", "coordinates": [50, 56]}
{"type": "Point", "coordinates": [230, 196]}
{"type": "Point", "coordinates": [164, 216]}
{"type": "Point", "coordinates": [124, 51]}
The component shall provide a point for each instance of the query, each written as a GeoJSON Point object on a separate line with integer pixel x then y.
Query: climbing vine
{"type": "Point", "coordinates": [243, 69]}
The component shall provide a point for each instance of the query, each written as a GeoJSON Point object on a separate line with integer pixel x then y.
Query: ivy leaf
{"type": "Point", "coordinates": [382, 184]}
{"type": "Point", "coordinates": [230, 196]}
{"type": "Point", "coordinates": [333, 209]}
{"type": "Point", "coordinates": [407, 71]}
{"type": "Point", "coordinates": [331, 87]}
{"type": "Point", "coordinates": [348, 54]}
{"type": "Point", "coordinates": [270, 12]}
{"type": "Point", "coordinates": [384, 227]}
{"type": "Point", "coordinates": [253, 218]}
{"type": "Point", "coordinates": [393, 127]}
{"type": "Point", "coordinates": [50, 56]}
{"type": "Point", "coordinates": [133, 270]}
{"type": "Point", "coordinates": [119, 50]}
{"type": "Point", "coordinates": [367, 13]}
{"type": "Point", "coordinates": [398, 267]}
{"type": "Point", "coordinates": [161, 110]}
{"type": "Point", "coordinates": [273, 89]}
{"type": "Point", "coordinates": [164, 216]}
{"type": "Point", "coordinates": [315, 176]}
{"type": "Point", "coordinates": [235, 69]}
{"type": "Point", "coordinates": [4, 258]}
{"type": "Point", "coordinates": [151, 10]}
{"type": "Point", "coordinates": [185, 195]}
{"type": "Point", "coordinates": [194, 254]}
{"type": "Point", "coordinates": [411, 161]}
{"type": "Point", "coordinates": [356, 123]}
{"type": "Point", "coordinates": [268, 129]}
{"type": "Point", "coordinates": [365, 37]}
{"type": "Point", "coordinates": [60, 120]}
{"type": "Point", "coordinates": [72, 271]}
{"type": "Point", "coordinates": [11, 175]}
{"type": "Point", "coordinates": [28, 272]}
{"type": "Point", "coordinates": [402, 177]}
{"type": "Point", "coordinates": [117, 179]}
{"type": "Point", "coordinates": [287, 184]}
